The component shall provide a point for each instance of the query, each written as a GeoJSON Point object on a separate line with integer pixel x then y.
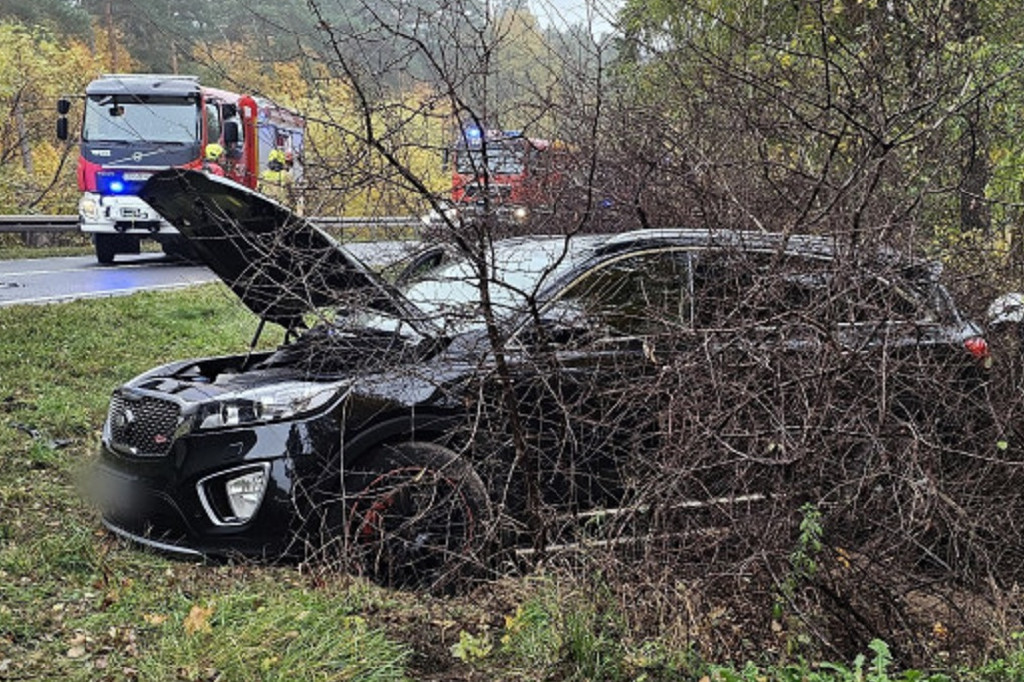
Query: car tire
{"type": "Point", "coordinates": [106, 248]}
{"type": "Point", "coordinates": [417, 516]}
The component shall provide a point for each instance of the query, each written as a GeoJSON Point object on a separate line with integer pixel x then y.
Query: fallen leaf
{"type": "Point", "coordinates": [198, 620]}
{"type": "Point", "coordinates": [76, 651]}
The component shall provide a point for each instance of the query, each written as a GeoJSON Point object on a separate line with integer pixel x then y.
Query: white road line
{"type": "Point", "coordinates": [109, 293]}
{"type": "Point", "coordinates": [88, 268]}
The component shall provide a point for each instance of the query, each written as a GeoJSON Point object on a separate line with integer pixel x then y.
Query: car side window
{"type": "Point", "coordinates": [735, 289]}
{"type": "Point", "coordinates": [871, 299]}
{"type": "Point", "coordinates": [634, 295]}
{"type": "Point", "coordinates": [739, 289]}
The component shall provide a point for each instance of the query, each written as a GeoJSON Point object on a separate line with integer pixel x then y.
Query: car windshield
{"type": "Point", "coordinates": [148, 119]}
{"type": "Point", "coordinates": [449, 296]}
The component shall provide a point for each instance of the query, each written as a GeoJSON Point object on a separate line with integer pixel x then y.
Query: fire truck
{"type": "Point", "coordinates": [503, 173]}
{"type": "Point", "coordinates": [134, 125]}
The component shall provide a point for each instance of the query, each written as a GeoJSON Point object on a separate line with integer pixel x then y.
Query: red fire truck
{"type": "Point", "coordinates": [503, 173]}
{"type": "Point", "coordinates": [136, 124]}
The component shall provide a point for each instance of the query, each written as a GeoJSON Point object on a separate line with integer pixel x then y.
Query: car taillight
{"type": "Point", "coordinates": [977, 346]}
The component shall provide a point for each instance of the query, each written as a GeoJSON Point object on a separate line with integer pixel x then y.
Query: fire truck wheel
{"type": "Point", "coordinates": [106, 248]}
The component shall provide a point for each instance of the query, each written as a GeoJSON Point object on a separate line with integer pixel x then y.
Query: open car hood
{"type": "Point", "coordinates": [280, 264]}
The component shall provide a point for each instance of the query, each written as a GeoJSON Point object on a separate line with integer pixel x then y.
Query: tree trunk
{"type": "Point", "coordinates": [111, 36]}
{"type": "Point", "coordinates": [974, 211]}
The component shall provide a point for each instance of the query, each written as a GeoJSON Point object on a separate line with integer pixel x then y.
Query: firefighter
{"type": "Point", "coordinates": [213, 158]}
{"type": "Point", "coordinates": [276, 179]}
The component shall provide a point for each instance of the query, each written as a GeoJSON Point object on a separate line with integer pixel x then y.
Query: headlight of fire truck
{"type": "Point", "coordinates": [520, 214]}
{"type": "Point", "coordinates": [89, 206]}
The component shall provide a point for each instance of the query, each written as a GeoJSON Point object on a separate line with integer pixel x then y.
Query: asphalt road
{"type": "Point", "coordinates": [53, 280]}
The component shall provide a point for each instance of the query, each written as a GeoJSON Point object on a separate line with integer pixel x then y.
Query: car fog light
{"type": "Point", "coordinates": [245, 493]}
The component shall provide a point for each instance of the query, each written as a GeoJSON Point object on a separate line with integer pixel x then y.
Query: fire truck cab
{"type": "Point", "coordinates": [134, 125]}
{"type": "Point", "coordinates": [502, 173]}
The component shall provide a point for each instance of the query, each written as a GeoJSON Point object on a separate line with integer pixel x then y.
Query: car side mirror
{"type": "Point", "coordinates": [1005, 309]}
{"type": "Point", "coordinates": [62, 128]}
{"type": "Point", "coordinates": [63, 106]}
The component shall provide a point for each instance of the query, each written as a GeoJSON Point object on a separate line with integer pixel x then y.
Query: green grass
{"type": "Point", "coordinates": [13, 246]}
{"type": "Point", "coordinates": [76, 604]}
{"type": "Point", "coordinates": [22, 252]}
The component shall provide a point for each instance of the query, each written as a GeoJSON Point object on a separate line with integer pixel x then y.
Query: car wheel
{"type": "Point", "coordinates": [416, 516]}
{"type": "Point", "coordinates": [106, 248]}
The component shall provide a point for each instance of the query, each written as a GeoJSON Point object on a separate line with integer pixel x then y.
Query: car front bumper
{"type": "Point", "coordinates": [177, 503]}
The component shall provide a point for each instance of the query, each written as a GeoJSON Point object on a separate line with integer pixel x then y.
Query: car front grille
{"type": "Point", "coordinates": [143, 425]}
{"type": "Point", "coordinates": [475, 189]}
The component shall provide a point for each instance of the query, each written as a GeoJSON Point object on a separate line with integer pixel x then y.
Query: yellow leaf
{"type": "Point", "coordinates": [198, 620]}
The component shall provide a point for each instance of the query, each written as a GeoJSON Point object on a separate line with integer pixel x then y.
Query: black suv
{"type": "Point", "coordinates": [399, 419]}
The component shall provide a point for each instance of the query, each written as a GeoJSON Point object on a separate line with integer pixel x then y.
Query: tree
{"type": "Point", "coordinates": [828, 107]}
{"type": "Point", "coordinates": [34, 71]}
{"type": "Point", "coordinates": [59, 16]}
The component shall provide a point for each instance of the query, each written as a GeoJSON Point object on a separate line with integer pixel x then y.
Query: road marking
{"type": "Point", "coordinates": [107, 293]}
{"type": "Point", "coordinates": [91, 268]}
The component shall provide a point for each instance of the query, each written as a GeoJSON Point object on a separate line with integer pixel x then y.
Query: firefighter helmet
{"type": "Point", "coordinates": [214, 151]}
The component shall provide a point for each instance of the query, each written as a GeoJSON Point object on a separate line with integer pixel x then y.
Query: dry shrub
{"type": "Point", "coordinates": [790, 486]}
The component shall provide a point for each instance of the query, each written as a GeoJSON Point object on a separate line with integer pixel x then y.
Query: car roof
{"type": "Point", "coordinates": [744, 240]}
{"type": "Point", "coordinates": [826, 247]}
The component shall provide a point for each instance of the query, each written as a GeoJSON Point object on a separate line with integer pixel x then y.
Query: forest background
{"type": "Point", "coordinates": [898, 120]}
{"type": "Point", "coordinates": [283, 51]}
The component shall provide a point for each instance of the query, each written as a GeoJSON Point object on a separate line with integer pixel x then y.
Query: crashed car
{"type": "Point", "coordinates": [399, 419]}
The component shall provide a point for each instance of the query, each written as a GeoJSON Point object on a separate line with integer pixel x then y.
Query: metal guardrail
{"type": "Point", "coordinates": [38, 223]}
{"type": "Point", "coordinates": [69, 223]}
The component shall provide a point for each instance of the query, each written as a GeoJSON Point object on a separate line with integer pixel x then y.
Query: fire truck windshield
{"type": "Point", "coordinates": [501, 160]}
{"type": "Point", "coordinates": [149, 119]}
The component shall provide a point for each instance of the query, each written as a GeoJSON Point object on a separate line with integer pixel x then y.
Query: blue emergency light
{"type": "Point", "coordinates": [120, 182]}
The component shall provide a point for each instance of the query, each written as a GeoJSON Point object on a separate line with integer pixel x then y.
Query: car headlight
{"type": "Point", "coordinates": [274, 402]}
{"type": "Point", "coordinates": [88, 207]}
